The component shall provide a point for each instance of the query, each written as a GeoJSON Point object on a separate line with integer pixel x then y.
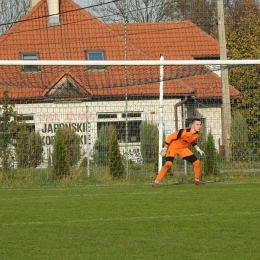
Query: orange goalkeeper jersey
{"type": "Point", "coordinates": [181, 139]}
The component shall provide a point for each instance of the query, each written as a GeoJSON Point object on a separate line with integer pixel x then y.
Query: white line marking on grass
{"type": "Point", "coordinates": [65, 187]}
{"type": "Point", "coordinates": [82, 187]}
{"type": "Point", "coordinates": [78, 195]}
{"type": "Point", "coordinates": [41, 197]}
{"type": "Point", "coordinates": [127, 219]}
{"type": "Point", "coordinates": [152, 192]}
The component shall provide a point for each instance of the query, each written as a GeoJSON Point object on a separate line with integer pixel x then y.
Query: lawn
{"type": "Point", "coordinates": [131, 221]}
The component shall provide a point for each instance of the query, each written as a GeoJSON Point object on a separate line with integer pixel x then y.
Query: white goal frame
{"type": "Point", "coordinates": [126, 62]}
{"type": "Point", "coordinates": [214, 64]}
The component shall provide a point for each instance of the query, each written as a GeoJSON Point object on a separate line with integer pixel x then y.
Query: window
{"type": "Point", "coordinates": [28, 121]}
{"type": "Point", "coordinates": [129, 115]}
{"type": "Point", "coordinates": [105, 116]}
{"type": "Point", "coordinates": [30, 56]}
{"type": "Point", "coordinates": [95, 55]}
{"type": "Point", "coordinates": [133, 130]}
{"type": "Point", "coordinates": [118, 120]}
{"type": "Point", "coordinates": [21, 117]}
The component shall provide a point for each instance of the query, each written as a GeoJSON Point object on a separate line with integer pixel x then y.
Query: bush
{"type": "Point", "coordinates": [8, 128]}
{"type": "Point", "coordinates": [115, 163]}
{"type": "Point", "coordinates": [84, 162]}
{"type": "Point", "coordinates": [72, 143]}
{"type": "Point", "coordinates": [210, 161]}
{"type": "Point", "coordinates": [101, 145]}
{"type": "Point", "coordinates": [28, 149]}
{"type": "Point", "coordinates": [61, 165]}
{"type": "Point", "coordinates": [149, 141]}
{"type": "Point", "coordinates": [239, 138]}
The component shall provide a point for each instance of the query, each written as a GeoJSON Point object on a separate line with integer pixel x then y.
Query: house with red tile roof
{"type": "Point", "coordinates": [87, 97]}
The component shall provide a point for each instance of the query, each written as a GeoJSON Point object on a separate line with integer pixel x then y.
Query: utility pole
{"type": "Point", "coordinates": [226, 108]}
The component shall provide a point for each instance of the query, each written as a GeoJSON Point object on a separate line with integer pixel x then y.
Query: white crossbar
{"type": "Point", "coordinates": [125, 62]}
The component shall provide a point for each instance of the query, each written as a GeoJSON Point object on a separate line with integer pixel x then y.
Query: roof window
{"type": "Point", "coordinates": [30, 56]}
{"type": "Point", "coordinates": [96, 55]}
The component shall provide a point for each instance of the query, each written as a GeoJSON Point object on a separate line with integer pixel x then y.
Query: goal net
{"type": "Point", "coordinates": [84, 98]}
{"type": "Point", "coordinates": [142, 104]}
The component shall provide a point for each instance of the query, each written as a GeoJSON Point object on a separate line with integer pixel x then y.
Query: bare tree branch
{"type": "Point", "coordinates": [137, 11]}
{"type": "Point", "coordinates": [201, 12]}
{"type": "Point", "coordinates": [11, 11]}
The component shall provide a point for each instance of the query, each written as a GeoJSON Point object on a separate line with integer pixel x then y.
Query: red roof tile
{"type": "Point", "coordinates": [176, 40]}
{"type": "Point", "coordinates": [80, 31]}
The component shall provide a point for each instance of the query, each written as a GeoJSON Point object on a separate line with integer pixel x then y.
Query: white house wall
{"type": "Point", "coordinates": [212, 117]}
{"type": "Point", "coordinates": [83, 117]}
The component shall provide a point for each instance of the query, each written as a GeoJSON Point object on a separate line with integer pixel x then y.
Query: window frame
{"type": "Point", "coordinates": [30, 68]}
{"type": "Point", "coordinates": [93, 67]}
{"type": "Point", "coordinates": [133, 123]}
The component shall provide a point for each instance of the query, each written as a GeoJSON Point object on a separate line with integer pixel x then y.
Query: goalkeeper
{"type": "Point", "coordinates": [177, 144]}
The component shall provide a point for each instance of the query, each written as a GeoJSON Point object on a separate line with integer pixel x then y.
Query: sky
{"type": "Point", "coordinates": [84, 3]}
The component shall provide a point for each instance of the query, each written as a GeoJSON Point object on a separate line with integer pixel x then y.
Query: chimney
{"type": "Point", "coordinates": [33, 3]}
{"type": "Point", "coordinates": [53, 12]}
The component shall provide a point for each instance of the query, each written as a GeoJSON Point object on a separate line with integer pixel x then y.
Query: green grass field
{"type": "Point", "coordinates": [216, 221]}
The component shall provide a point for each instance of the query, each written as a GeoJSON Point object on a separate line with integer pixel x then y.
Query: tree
{"type": "Point", "coordinates": [101, 145]}
{"type": "Point", "coordinates": [138, 10]}
{"type": "Point", "coordinates": [28, 149]}
{"type": "Point", "coordinates": [239, 138]}
{"type": "Point", "coordinates": [61, 165]}
{"type": "Point", "coordinates": [11, 12]}
{"type": "Point", "coordinates": [210, 164]}
{"type": "Point", "coordinates": [243, 30]}
{"type": "Point", "coordinates": [115, 163]}
{"type": "Point", "coordinates": [8, 128]}
{"type": "Point", "coordinates": [201, 12]}
{"type": "Point", "coordinates": [236, 9]}
{"type": "Point", "coordinates": [72, 142]}
{"type": "Point", "coordinates": [149, 141]}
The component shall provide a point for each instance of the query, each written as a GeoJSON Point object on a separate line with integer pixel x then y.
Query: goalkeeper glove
{"type": "Point", "coordinates": [202, 154]}
{"type": "Point", "coordinates": [163, 152]}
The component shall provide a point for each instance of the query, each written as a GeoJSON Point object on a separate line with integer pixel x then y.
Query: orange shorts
{"type": "Point", "coordinates": [172, 152]}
